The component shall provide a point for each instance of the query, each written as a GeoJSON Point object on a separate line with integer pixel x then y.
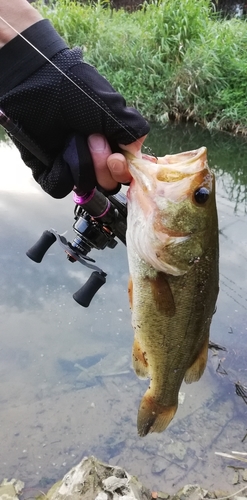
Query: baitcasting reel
{"type": "Point", "coordinates": [99, 220]}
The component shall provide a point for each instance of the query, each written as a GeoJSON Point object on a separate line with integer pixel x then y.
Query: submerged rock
{"type": "Point", "coordinates": [115, 363]}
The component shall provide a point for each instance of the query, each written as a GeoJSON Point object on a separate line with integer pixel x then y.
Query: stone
{"type": "Point", "coordinates": [163, 496]}
{"type": "Point", "coordinates": [94, 480]}
{"type": "Point", "coordinates": [10, 489]}
{"type": "Point", "coordinates": [235, 479]}
{"type": "Point", "coordinates": [177, 449]}
{"type": "Point", "coordinates": [220, 493]}
{"type": "Point", "coordinates": [192, 492]}
{"type": "Point", "coordinates": [159, 465]}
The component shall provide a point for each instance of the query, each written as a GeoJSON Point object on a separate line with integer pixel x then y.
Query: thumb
{"type": "Point", "coordinates": [117, 162]}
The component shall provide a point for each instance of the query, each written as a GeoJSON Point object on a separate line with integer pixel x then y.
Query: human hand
{"type": "Point", "coordinates": [111, 168]}
{"type": "Point", "coordinates": [64, 111]}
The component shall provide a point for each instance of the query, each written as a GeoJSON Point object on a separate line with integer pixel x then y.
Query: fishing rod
{"type": "Point", "coordinates": [99, 220]}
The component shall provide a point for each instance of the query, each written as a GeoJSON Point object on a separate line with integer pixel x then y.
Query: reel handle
{"type": "Point", "coordinates": [38, 250]}
{"type": "Point", "coordinates": [85, 294]}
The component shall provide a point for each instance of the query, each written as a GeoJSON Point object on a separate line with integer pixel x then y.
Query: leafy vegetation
{"type": "Point", "coordinates": [170, 58]}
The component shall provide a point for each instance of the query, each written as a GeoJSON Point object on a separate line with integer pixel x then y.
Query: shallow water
{"type": "Point", "coordinates": [60, 399]}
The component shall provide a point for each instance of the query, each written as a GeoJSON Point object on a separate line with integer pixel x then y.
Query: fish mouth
{"type": "Point", "coordinates": [169, 168]}
{"type": "Point", "coordinates": [187, 157]}
{"type": "Point", "coordinates": [176, 167]}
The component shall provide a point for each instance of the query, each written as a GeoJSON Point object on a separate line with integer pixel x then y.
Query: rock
{"type": "Point", "coordinates": [10, 489]}
{"type": "Point", "coordinates": [244, 475]}
{"type": "Point", "coordinates": [159, 465]}
{"type": "Point", "coordinates": [192, 492]}
{"type": "Point", "coordinates": [211, 494]}
{"type": "Point", "coordinates": [113, 364]}
{"type": "Point", "coordinates": [220, 493]}
{"type": "Point", "coordinates": [94, 480]}
{"type": "Point", "coordinates": [177, 450]}
{"type": "Point", "coordinates": [235, 479]}
{"type": "Point", "coordinates": [185, 437]}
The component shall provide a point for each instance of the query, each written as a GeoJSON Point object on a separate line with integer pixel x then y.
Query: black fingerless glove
{"type": "Point", "coordinates": [51, 109]}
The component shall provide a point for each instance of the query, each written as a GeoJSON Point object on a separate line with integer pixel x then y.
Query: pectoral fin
{"type": "Point", "coordinates": [152, 416]}
{"type": "Point", "coordinates": [162, 294]}
{"type": "Point", "coordinates": [196, 370]}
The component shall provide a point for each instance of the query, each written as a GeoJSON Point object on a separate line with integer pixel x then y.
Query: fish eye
{"type": "Point", "coordinates": [201, 195]}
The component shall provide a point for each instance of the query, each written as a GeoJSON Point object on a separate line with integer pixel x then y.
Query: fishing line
{"type": "Point", "coordinates": [74, 83]}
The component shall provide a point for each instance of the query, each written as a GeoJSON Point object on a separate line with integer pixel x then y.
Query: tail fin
{"type": "Point", "coordinates": [152, 416]}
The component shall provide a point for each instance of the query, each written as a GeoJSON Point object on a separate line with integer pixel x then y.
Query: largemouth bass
{"type": "Point", "coordinates": [172, 245]}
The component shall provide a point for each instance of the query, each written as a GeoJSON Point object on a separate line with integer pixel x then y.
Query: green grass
{"type": "Point", "coordinates": [171, 58]}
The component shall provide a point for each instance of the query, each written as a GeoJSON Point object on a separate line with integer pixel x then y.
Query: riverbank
{"type": "Point", "coordinates": [92, 479]}
{"type": "Point", "coordinates": [172, 60]}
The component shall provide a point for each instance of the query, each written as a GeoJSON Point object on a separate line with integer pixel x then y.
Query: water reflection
{"type": "Point", "coordinates": [226, 154]}
{"type": "Point", "coordinates": [60, 400]}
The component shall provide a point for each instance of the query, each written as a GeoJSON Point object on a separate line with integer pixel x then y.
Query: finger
{"type": "Point", "coordinates": [117, 163]}
{"type": "Point", "coordinates": [100, 151]}
{"type": "Point", "coordinates": [118, 167]}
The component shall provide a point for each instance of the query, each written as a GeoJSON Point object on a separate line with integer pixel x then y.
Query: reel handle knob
{"type": "Point", "coordinates": [38, 250]}
{"type": "Point", "coordinates": [85, 294]}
